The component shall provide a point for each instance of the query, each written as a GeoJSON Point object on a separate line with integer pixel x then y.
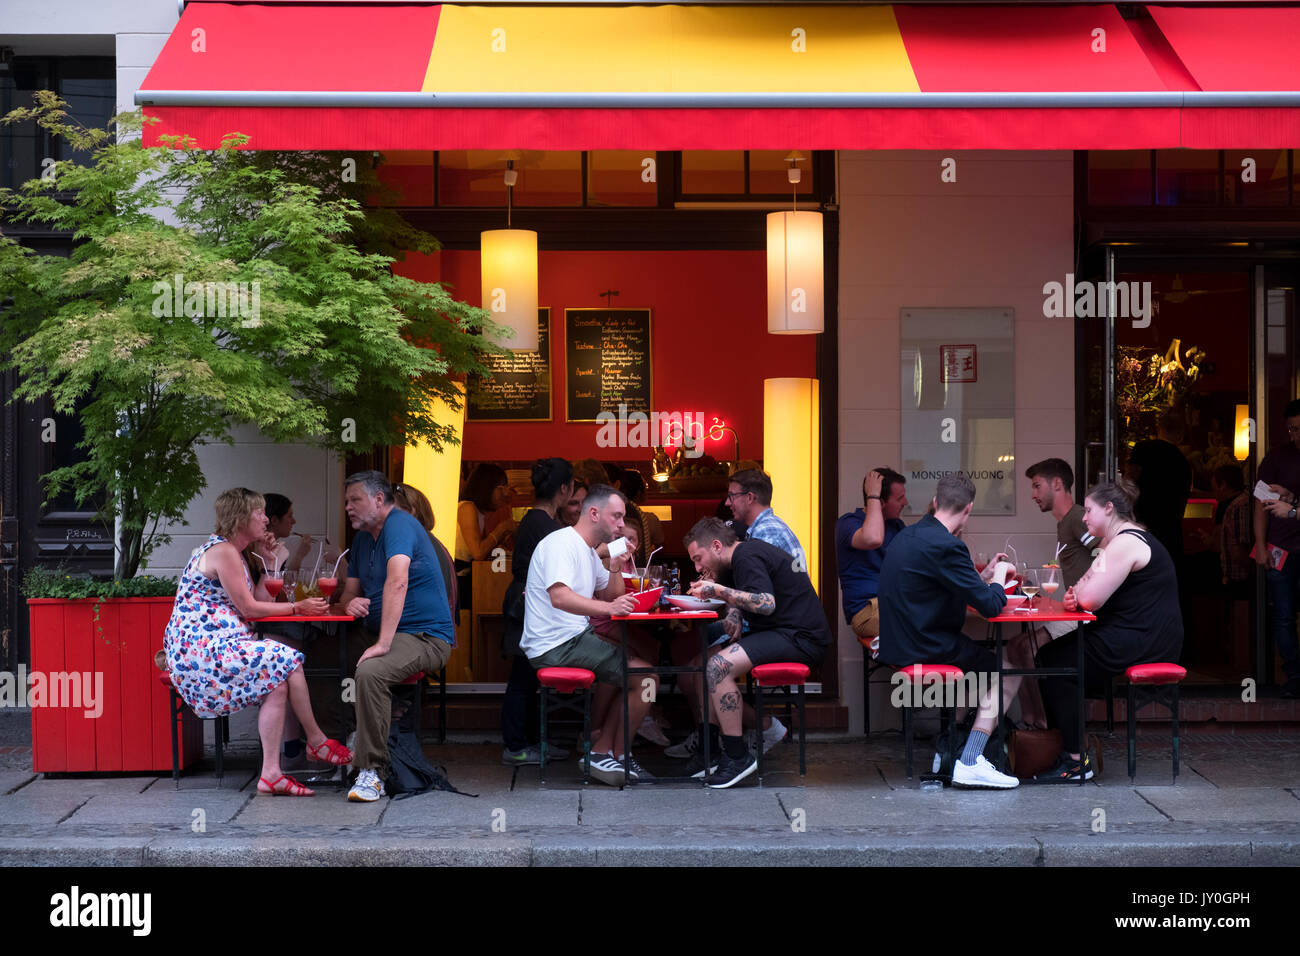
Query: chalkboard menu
{"type": "Point", "coordinates": [519, 388]}
{"type": "Point", "coordinates": [607, 362]}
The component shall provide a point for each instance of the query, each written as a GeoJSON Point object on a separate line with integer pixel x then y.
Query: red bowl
{"type": "Point", "coordinates": [645, 600]}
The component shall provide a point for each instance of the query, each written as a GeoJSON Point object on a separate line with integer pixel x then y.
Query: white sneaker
{"type": "Point", "coordinates": [607, 770]}
{"type": "Point", "coordinates": [774, 735]}
{"type": "Point", "coordinates": [367, 789]}
{"type": "Point", "coordinates": [686, 749]}
{"type": "Point", "coordinates": [981, 775]}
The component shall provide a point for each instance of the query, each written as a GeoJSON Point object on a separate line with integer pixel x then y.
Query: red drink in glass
{"type": "Point", "coordinates": [327, 586]}
{"type": "Point", "coordinates": [273, 587]}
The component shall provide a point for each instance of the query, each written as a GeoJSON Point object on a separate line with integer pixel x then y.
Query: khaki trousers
{"type": "Point", "coordinates": [866, 623]}
{"type": "Point", "coordinates": [409, 654]}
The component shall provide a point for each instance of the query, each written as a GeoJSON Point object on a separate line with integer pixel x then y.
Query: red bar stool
{"type": "Point", "coordinates": [176, 710]}
{"type": "Point", "coordinates": [780, 676]}
{"type": "Point", "coordinates": [921, 675]}
{"type": "Point", "coordinates": [567, 681]}
{"type": "Point", "coordinates": [1152, 683]}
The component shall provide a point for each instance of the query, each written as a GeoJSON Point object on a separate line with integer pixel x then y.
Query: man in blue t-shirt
{"type": "Point", "coordinates": [395, 583]}
{"type": "Point", "coordinates": [861, 539]}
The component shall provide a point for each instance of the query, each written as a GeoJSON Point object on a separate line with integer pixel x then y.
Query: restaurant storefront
{"type": "Point", "coordinates": [963, 159]}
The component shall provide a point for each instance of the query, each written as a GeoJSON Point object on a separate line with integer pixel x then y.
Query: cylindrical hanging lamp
{"type": "Point", "coordinates": [794, 272]}
{"type": "Point", "coordinates": [509, 271]}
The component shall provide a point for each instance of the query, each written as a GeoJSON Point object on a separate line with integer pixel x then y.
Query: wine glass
{"type": "Point", "coordinates": [1029, 585]}
{"type": "Point", "coordinates": [655, 576]}
{"type": "Point", "coordinates": [981, 561]}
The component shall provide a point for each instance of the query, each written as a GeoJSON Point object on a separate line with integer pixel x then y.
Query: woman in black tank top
{"type": "Point", "coordinates": [1138, 616]}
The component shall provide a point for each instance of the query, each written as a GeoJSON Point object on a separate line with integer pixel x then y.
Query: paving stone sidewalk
{"type": "Point", "coordinates": [1235, 803]}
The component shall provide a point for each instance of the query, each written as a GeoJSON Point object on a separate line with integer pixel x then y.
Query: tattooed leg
{"type": "Point", "coordinates": [724, 669]}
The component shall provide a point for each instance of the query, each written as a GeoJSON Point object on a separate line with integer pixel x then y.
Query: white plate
{"type": "Point", "coordinates": [687, 603]}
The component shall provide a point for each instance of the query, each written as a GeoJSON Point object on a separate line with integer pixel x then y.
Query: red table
{"type": "Point", "coordinates": [703, 617]}
{"type": "Point", "coordinates": [1045, 610]}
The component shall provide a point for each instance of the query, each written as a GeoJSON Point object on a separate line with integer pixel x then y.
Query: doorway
{"type": "Point", "coordinates": [1202, 357]}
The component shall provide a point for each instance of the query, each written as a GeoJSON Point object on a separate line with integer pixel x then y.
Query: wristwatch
{"type": "Point", "coordinates": [1291, 513]}
{"type": "Point", "coordinates": [877, 497]}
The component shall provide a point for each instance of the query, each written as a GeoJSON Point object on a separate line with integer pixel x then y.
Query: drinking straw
{"type": "Point", "coordinates": [320, 553]}
{"type": "Point", "coordinates": [335, 574]}
{"type": "Point", "coordinates": [262, 559]}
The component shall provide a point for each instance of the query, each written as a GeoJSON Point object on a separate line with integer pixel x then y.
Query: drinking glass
{"type": "Point", "coordinates": [655, 576]}
{"type": "Point", "coordinates": [1049, 579]}
{"type": "Point", "coordinates": [981, 561]}
{"type": "Point", "coordinates": [1029, 585]}
{"type": "Point", "coordinates": [274, 581]}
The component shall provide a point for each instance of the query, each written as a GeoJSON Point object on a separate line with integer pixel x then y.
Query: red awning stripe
{"type": "Point", "coordinates": [1236, 48]}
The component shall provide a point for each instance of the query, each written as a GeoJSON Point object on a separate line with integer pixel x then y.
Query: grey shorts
{"type": "Point", "coordinates": [588, 651]}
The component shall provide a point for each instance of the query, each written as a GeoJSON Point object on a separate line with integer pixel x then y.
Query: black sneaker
{"type": "Point", "coordinates": [731, 771]}
{"type": "Point", "coordinates": [1067, 770]}
{"type": "Point", "coordinates": [695, 767]}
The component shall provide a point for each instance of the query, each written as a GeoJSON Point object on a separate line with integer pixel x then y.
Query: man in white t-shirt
{"type": "Point", "coordinates": [568, 585]}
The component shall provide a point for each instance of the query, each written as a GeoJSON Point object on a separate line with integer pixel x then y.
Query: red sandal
{"type": "Point", "coordinates": [290, 788]}
{"type": "Point", "coordinates": [331, 752]}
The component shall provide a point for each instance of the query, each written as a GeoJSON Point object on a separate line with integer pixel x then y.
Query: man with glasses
{"type": "Point", "coordinates": [749, 494]}
{"type": "Point", "coordinates": [1281, 468]}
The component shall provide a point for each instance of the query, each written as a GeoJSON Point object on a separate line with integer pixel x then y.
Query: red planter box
{"type": "Point", "coordinates": [131, 732]}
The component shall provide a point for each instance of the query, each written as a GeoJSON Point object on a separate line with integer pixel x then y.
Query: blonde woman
{"type": "Point", "coordinates": [216, 661]}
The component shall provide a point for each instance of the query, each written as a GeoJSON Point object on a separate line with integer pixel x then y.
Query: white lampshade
{"type": "Point", "coordinates": [509, 271]}
{"type": "Point", "coordinates": [794, 272]}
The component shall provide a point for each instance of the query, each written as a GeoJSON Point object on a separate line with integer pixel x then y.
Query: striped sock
{"type": "Point", "coordinates": [974, 747]}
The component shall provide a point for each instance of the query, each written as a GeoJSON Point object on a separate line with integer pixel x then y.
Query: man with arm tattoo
{"type": "Point", "coordinates": [772, 593]}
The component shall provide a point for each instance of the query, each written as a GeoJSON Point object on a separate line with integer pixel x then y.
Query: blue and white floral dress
{"type": "Point", "coordinates": [216, 660]}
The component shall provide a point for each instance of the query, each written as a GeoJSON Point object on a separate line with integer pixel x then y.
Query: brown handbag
{"type": "Point", "coordinates": [1033, 751]}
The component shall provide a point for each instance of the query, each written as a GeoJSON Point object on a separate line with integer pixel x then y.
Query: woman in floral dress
{"type": "Point", "coordinates": [217, 662]}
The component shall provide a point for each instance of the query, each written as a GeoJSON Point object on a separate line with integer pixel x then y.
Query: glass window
{"type": "Point", "coordinates": [1187, 177]}
{"type": "Point", "coordinates": [1119, 177]}
{"type": "Point", "coordinates": [409, 174]}
{"type": "Point", "coordinates": [1268, 170]}
{"type": "Point", "coordinates": [475, 178]}
{"type": "Point", "coordinates": [88, 86]}
{"type": "Point", "coordinates": [713, 172]}
{"type": "Point", "coordinates": [623, 177]}
{"type": "Point", "coordinates": [767, 172]}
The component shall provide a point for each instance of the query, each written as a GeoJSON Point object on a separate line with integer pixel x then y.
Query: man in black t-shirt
{"type": "Point", "coordinates": [786, 623]}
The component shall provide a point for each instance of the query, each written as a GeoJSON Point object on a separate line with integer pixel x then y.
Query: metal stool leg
{"type": "Point", "coordinates": [586, 735]}
{"type": "Point", "coordinates": [804, 725]}
{"type": "Point", "coordinates": [907, 737]}
{"type": "Point", "coordinates": [1173, 709]}
{"type": "Point", "coordinates": [866, 692]}
{"type": "Point", "coordinates": [758, 721]}
{"type": "Point", "coordinates": [174, 710]}
{"type": "Point", "coordinates": [1132, 731]}
{"type": "Point", "coordinates": [222, 733]}
{"type": "Point", "coordinates": [442, 706]}
{"type": "Point", "coordinates": [546, 701]}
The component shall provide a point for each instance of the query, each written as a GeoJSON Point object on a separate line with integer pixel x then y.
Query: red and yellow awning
{"type": "Point", "coordinates": [425, 76]}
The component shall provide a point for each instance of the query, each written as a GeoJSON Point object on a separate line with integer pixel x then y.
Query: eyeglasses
{"type": "Point", "coordinates": [1293, 429]}
{"type": "Point", "coordinates": [736, 494]}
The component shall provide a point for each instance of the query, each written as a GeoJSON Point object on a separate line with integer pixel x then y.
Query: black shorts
{"type": "Point", "coordinates": [780, 646]}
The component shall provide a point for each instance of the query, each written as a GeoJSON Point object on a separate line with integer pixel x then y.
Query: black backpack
{"type": "Point", "coordinates": [410, 772]}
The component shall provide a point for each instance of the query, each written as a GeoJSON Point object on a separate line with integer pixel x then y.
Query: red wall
{"type": "Point", "coordinates": [709, 340]}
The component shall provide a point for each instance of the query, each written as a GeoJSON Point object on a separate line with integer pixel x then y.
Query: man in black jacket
{"type": "Point", "coordinates": [926, 583]}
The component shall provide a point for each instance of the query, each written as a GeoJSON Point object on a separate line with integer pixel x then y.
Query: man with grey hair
{"type": "Point", "coordinates": [926, 582]}
{"type": "Point", "coordinates": [567, 586]}
{"type": "Point", "coordinates": [395, 584]}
